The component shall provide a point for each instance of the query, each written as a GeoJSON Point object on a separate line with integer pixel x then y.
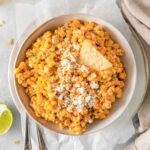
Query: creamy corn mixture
{"type": "Point", "coordinates": [63, 90]}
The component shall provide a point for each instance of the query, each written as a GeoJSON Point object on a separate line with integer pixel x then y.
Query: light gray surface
{"type": "Point", "coordinates": [8, 30]}
{"type": "Point", "coordinates": [7, 13]}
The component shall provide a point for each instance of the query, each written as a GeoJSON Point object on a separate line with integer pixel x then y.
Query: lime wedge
{"type": "Point", "coordinates": [6, 119]}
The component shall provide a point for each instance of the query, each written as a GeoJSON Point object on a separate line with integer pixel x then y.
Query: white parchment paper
{"type": "Point", "coordinates": [120, 131]}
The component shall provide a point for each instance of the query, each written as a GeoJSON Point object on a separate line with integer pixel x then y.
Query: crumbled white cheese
{"type": "Point", "coordinates": [90, 104]}
{"type": "Point", "coordinates": [67, 86]}
{"type": "Point", "coordinates": [60, 88]}
{"type": "Point", "coordinates": [80, 90]}
{"type": "Point", "coordinates": [77, 100]}
{"type": "Point", "coordinates": [89, 99]}
{"type": "Point", "coordinates": [64, 62]}
{"type": "Point", "coordinates": [68, 47]}
{"type": "Point", "coordinates": [72, 58]}
{"type": "Point", "coordinates": [76, 46]}
{"type": "Point", "coordinates": [68, 65]}
{"type": "Point", "coordinates": [69, 108]}
{"type": "Point", "coordinates": [79, 108]}
{"type": "Point", "coordinates": [94, 85]}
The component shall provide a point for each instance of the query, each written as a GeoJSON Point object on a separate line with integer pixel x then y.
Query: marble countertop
{"type": "Point", "coordinates": [7, 14]}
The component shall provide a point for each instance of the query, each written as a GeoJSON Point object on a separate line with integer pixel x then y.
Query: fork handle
{"type": "Point", "coordinates": [41, 142]}
{"type": "Point", "coordinates": [27, 143]}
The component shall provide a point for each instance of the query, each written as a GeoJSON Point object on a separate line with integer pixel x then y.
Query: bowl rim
{"type": "Point", "coordinates": [111, 27]}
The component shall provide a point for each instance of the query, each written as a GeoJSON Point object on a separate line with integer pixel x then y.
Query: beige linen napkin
{"type": "Point", "coordinates": [142, 142]}
{"type": "Point", "coordinates": [137, 13]}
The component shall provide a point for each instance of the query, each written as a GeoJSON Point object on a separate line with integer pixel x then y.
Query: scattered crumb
{"type": "Point", "coordinates": [9, 41]}
{"type": "Point", "coordinates": [2, 22]}
{"type": "Point", "coordinates": [16, 142]}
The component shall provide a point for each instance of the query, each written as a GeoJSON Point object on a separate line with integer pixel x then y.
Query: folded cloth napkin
{"type": "Point", "coordinates": [142, 142]}
{"type": "Point", "coordinates": [137, 13]}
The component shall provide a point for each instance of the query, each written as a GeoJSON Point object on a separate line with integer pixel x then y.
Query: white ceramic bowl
{"type": "Point", "coordinates": [128, 61]}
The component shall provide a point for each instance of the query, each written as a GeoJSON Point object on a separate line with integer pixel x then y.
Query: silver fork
{"type": "Point", "coordinates": [41, 142]}
{"type": "Point", "coordinates": [27, 143]}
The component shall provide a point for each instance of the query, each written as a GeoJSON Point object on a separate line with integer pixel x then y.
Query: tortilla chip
{"type": "Point", "coordinates": [92, 58]}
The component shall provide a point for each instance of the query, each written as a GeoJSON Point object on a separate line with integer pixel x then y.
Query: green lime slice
{"type": "Point", "coordinates": [6, 119]}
